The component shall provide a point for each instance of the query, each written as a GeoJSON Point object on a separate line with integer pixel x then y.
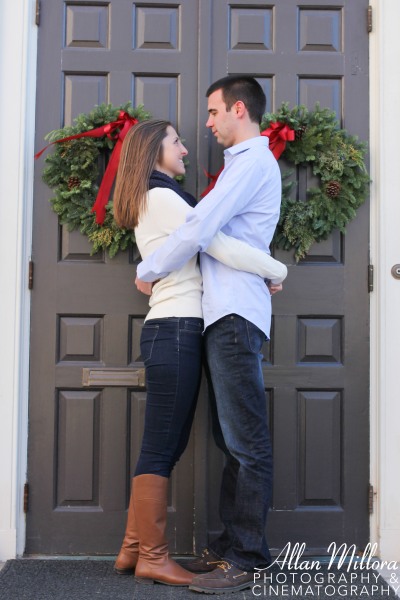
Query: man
{"type": "Point", "coordinates": [244, 203]}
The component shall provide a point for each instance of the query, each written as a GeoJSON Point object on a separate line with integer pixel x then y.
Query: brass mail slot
{"type": "Point", "coordinates": [113, 377]}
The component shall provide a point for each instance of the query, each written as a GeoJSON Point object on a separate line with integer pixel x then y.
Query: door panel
{"type": "Point", "coordinates": [87, 396]}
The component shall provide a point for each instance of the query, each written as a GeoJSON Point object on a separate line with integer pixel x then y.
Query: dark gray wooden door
{"type": "Point", "coordinates": [86, 314]}
{"type": "Point", "coordinates": [316, 368]}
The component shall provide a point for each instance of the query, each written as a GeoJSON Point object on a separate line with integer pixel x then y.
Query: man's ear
{"type": "Point", "coordinates": [239, 108]}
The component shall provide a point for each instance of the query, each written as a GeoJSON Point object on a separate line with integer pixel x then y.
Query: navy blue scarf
{"type": "Point", "coordinates": [161, 180]}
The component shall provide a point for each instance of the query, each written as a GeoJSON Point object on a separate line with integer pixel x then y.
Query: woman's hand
{"type": "Point", "coordinates": [144, 286]}
{"type": "Point", "coordinates": [273, 288]}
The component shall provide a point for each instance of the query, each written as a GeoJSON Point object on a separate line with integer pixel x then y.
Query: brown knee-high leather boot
{"type": "Point", "coordinates": [129, 553]}
{"type": "Point", "coordinates": [154, 564]}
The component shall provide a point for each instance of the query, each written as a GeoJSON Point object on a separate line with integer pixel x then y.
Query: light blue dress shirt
{"type": "Point", "coordinates": [245, 204]}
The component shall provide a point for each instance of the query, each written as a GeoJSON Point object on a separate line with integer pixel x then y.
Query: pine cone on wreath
{"type": "Point", "coordinates": [333, 189]}
{"type": "Point", "coordinates": [298, 134]}
{"type": "Point", "coordinates": [73, 182]}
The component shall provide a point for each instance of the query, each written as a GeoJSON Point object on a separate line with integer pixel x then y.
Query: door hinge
{"type": "Point", "coordinates": [371, 495]}
{"type": "Point", "coordinates": [370, 278]}
{"type": "Point", "coordinates": [369, 19]}
{"type": "Point", "coordinates": [26, 497]}
{"type": "Point", "coordinates": [30, 275]}
{"type": "Point", "coordinates": [37, 12]}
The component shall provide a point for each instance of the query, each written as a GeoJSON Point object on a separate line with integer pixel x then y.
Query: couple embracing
{"type": "Point", "coordinates": [210, 278]}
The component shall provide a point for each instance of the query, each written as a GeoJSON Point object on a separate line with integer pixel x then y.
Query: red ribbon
{"type": "Point", "coordinates": [212, 182]}
{"type": "Point", "coordinates": [116, 131]}
{"type": "Point", "coordinates": [278, 134]}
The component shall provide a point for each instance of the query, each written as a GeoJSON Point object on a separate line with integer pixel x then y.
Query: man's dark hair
{"type": "Point", "coordinates": [243, 88]}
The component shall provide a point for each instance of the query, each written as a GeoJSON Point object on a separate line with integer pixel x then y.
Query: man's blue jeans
{"type": "Point", "coordinates": [238, 407]}
{"type": "Point", "coordinates": [172, 350]}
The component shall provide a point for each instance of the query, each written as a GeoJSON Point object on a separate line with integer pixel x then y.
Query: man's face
{"type": "Point", "coordinates": [221, 122]}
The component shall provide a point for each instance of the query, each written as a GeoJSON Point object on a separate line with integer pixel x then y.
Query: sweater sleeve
{"type": "Point", "coordinates": [166, 211]}
{"type": "Point", "coordinates": [243, 257]}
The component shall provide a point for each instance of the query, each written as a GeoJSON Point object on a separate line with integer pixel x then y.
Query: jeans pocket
{"type": "Point", "coordinates": [147, 339]}
{"type": "Point", "coordinates": [255, 337]}
{"type": "Point", "coordinates": [193, 325]}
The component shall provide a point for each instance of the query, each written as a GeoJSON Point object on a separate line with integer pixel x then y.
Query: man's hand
{"type": "Point", "coordinates": [144, 286]}
{"type": "Point", "coordinates": [273, 288]}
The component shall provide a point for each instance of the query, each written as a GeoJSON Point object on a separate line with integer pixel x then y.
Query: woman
{"type": "Point", "coordinates": [148, 200]}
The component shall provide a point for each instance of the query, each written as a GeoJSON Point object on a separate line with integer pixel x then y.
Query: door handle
{"type": "Point", "coordinates": [113, 377]}
{"type": "Point", "coordinates": [396, 271]}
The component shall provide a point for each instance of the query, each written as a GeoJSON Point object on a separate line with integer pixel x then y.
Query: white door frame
{"type": "Point", "coordinates": [18, 38]}
{"type": "Point", "coordinates": [18, 51]}
{"type": "Point", "coordinates": [385, 252]}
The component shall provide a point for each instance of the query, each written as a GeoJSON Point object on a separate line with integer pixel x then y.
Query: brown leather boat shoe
{"type": "Point", "coordinates": [205, 563]}
{"type": "Point", "coordinates": [224, 579]}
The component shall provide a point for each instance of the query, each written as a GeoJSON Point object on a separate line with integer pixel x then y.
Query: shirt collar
{"type": "Point", "coordinates": [259, 141]}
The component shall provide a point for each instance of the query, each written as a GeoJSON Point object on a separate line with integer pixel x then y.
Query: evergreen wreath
{"type": "Point", "coordinates": [74, 171]}
{"type": "Point", "coordinates": [337, 159]}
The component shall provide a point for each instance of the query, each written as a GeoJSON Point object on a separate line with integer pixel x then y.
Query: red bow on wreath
{"type": "Point", "coordinates": [278, 134]}
{"type": "Point", "coordinates": [116, 131]}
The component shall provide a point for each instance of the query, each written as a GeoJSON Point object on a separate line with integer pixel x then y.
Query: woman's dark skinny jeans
{"type": "Point", "coordinates": [172, 353]}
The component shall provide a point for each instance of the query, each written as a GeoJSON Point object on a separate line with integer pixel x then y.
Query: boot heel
{"type": "Point", "coordinates": [124, 571]}
{"type": "Point", "coordinates": [144, 580]}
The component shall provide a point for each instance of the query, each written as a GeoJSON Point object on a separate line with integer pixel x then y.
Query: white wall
{"type": "Point", "coordinates": [385, 252]}
{"type": "Point", "coordinates": [17, 121]}
{"type": "Point", "coordinates": [17, 116]}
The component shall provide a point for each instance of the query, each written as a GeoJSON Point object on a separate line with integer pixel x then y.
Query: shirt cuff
{"type": "Point", "coordinates": [146, 275]}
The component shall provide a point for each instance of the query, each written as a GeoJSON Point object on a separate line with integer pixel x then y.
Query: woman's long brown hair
{"type": "Point", "coordinates": [141, 149]}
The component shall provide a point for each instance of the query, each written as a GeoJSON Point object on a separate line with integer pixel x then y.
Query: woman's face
{"type": "Point", "coordinates": [173, 152]}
